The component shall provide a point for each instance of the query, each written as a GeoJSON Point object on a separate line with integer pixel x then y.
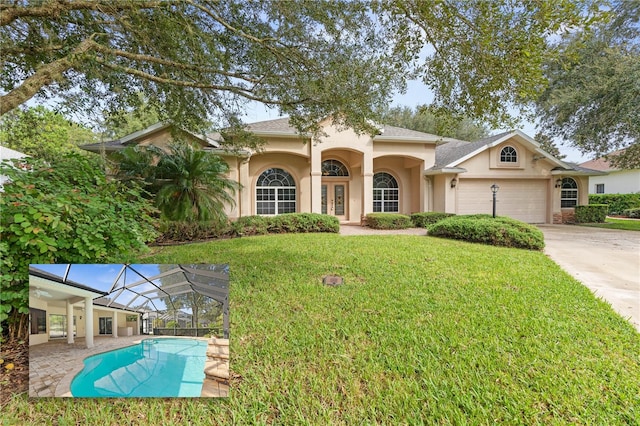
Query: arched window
{"type": "Point", "coordinates": [569, 193]}
{"type": "Point", "coordinates": [275, 192]}
{"type": "Point", "coordinates": [385, 193]}
{"type": "Point", "coordinates": [334, 168]}
{"type": "Point", "coordinates": [508, 155]}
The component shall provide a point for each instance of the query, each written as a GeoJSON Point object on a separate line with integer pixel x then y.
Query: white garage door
{"type": "Point", "coordinates": [525, 199]}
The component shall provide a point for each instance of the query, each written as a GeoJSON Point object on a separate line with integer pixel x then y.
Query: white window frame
{"type": "Point", "coordinates": [384, 195]}
{"type": "Point", "coordinates": [279, 196]}
{"type": "Point", "coordinates": [568, 193]}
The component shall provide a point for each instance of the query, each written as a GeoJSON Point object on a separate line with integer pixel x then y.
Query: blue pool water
{"type": "Point", "coordinates": [152, 368]}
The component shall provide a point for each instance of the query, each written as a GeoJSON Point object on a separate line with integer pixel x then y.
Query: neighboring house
{"type": "Point", "coordinates": [397, 170]}
{"type": "Point", "coordinates": [616, 181]}
{"type": "Point", "coordinates": [8, 154]}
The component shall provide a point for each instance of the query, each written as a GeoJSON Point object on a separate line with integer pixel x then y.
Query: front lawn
{"type": "Point", "coordinates": [613, 223]}
{"type": "Point", "coordinates": [423, 331]}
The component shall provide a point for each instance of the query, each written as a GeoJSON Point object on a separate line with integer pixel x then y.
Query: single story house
{"type": "Point", "coordinates": [616, 181]}
{"type": "Point", "coordinates": [349, 175]}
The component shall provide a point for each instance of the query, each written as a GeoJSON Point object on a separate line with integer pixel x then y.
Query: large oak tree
{"type": "Point", "coordinates": [197, 59]}
{"type": "Point", "coordinates": [593, 99]}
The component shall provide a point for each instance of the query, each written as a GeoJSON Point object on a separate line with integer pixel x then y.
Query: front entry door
{"type": "Point", "coordinates": [334, 199]}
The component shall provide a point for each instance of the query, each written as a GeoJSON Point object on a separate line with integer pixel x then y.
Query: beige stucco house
{"type": "Point", "coordinates": [396, 170]}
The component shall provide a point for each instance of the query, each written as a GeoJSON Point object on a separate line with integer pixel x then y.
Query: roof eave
{"type": "Point", "coordinates": [444, 171]}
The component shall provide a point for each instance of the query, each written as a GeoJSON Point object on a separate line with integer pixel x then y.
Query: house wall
{"type": "Point", "coordinates": [296, 165]}
{"type": "Point", "coordinates": [617, 182]}
{"type": "Point", "coordinates": [98, 313]}
{"type": "Point", "coordinates": [36, 339]}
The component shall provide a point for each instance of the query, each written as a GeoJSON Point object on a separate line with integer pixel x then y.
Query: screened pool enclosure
{"type": "Point", "coordinates": [164, 299]}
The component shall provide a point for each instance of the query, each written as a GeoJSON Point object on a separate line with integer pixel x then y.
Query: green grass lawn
{"type": "Point", "coordinates": [613, 223]}
{"type": "Point", "coordinates": [424, 331]}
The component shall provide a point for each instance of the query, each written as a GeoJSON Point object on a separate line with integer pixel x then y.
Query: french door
{"type": "Point", "coordinates": [334, 199]}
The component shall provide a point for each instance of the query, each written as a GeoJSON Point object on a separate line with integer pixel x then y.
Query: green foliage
{"type": "Point", "coordinates": [285, 223]}
{"type": "Point", "coordinates": [180, 231]}
{"type": "Point", "coordinates": [247, 226]}
{"type": "Point", "coordinates": [423, 119]}
{"type": "Point", "coordinates": [388, 221]}
{"type": "Point", "coordinates": [423, 219]}
{"type": "Point", "coordinates": [65, 212]}
{"type": "Point", "coordinates": [42, 133]}
{"type": "Point", "coordinates": [498, 231]}
{"type": "Point", "coordinates": [617, 202]}
{"type": "Point", "coordinates": [592, 213]}
{"type": "Point", "coordinates": [199, 60]}
{"type": "Point", "coordinates": [483, 57]}
{"type": "Point", "coordinates": [308, 59]}
{"type": "Point", "coordinates": [592, 97]}
{"type": "Point", "coordinates": [189, 184]}
{"type": "Point", "coordinates": [549, 145]}
{"type": "Point", "coordinates": [633, 213]}
{"type": "Point", "coordinates": [124, 122]}
{"type": "Point", "coordinates": [303, 222]}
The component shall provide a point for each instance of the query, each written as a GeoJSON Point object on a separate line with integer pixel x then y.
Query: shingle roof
{"type": "Point", "coordinates": [601, 163]}
{"type": "Point", "coordinates": [280, 125]}
{"type": "Point", "coordinates": [451, 151]}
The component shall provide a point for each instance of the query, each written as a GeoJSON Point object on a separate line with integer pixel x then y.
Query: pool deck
{"type": "Point", "coordinates": [53, 365]}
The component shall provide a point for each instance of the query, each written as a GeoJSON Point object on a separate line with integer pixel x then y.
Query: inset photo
{"type": "Point", "coordinates": [128, 330]}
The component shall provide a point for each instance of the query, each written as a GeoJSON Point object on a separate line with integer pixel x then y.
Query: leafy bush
{"type": "Point", "coordinates": [173, 231]}
{"type": "Point", "coordinates": [592, 213]}
{"type": "Point", "coordinates": [499, 231]}
{"type": "Point", "coordinates": [65, 212]}
{"type": "Point", "coordinates": [250, 225]}
{"type": "Point", "coordinates": [632, 213]}
{"type": "Point", "coordinates": [617, 202]}
{"type": "Point", "coordinates": [285, 223]}
{"type": "Point", "coordinates": [422, 220]}
{"type": "Point", "coordinates": [303, 222]}
{"type": "Point", "coordinates": [388, 221]}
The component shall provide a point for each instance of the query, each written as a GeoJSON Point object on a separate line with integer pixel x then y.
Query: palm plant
{"type": "Point", "coordinates": [193, 184]}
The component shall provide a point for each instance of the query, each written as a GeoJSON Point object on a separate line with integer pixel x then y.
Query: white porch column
{"type": "Point", "coordinates": [137, 330]}
{"type": "Point", "coordinates": [88, 321]}
{"type": "Point", "coordinates": [114, 331]}
{"type": "Point", "coordinates": [69, 322]}
{"type": "Point", "coordinates": [367, 177]}
{"type": "Point", "coordinates": [246, 190]}
{"type": "Point", "coordinates": [316, 180]}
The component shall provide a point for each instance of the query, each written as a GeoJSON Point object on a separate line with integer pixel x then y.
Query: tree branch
{"type": "Point", "coordinates": [45, 75]}
{"type": "Point", "coordinates": [245, 93]}
{"type": "Point", "coordinates": [10, 13]}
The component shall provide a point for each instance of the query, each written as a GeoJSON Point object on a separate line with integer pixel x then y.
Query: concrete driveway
{"type": "Point", "coordinates": [607, 261]}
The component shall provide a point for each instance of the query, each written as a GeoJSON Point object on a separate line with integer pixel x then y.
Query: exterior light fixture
{"type": "Point", "coordinates": [558, 183]}
{"type": "Point", "coordinates": [494, 190]}
{"type": "Point", "coordinates": [454, 182]}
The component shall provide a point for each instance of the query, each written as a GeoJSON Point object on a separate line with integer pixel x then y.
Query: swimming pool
{"type": "Point", "coordinates": [153, 368]}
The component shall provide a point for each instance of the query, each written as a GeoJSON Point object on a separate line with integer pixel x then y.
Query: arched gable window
{"type": "Point", "coordinates": [386, 195]}
{"type": "Point", "coordinates": [508, 154]}
{"type": "Point", "coordinates": [334, 168]}
{"type": "Point", "coordinates": [569, 193]}
{"type": "Point", "coordinates": [275, 192]}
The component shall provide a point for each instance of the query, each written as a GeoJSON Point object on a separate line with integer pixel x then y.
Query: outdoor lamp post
{"type": "Point", "coordinates": [494, 189]}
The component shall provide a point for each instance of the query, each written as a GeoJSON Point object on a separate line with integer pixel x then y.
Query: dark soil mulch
{"type": "Point", "coordinates": [13, 380]}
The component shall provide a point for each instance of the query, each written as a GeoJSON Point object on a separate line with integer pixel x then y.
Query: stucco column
{"type": "Point", "coordinates": [137, 331]}
{"type": "Point", "coordinates": [367, 178]}
{"type": "Point", "coordinates": [428, 188]}
{"type": "Point", "coordinates": [316, 180]}
{"type": "Point", "coordinates": [245, 191]}
{"type": "Point", "coordinates": [114, 331]}
{"type": "Point", "coordinates": [88, 321]}
{"type": "Point", "coordinates": [69, 322]}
